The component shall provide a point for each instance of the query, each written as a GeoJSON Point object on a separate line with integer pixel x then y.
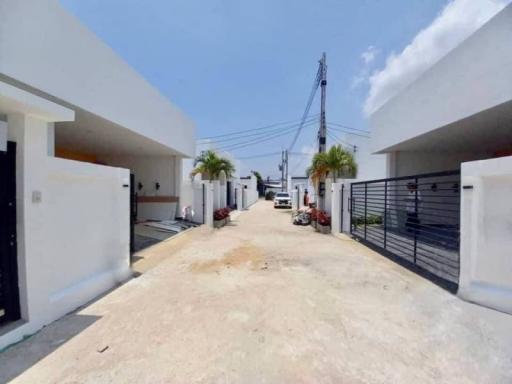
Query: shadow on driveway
{"type": "Point", "coordinates": [36, 347]}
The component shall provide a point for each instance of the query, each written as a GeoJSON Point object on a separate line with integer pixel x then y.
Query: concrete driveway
{"type": "Point", "coordinates": [263, 301]}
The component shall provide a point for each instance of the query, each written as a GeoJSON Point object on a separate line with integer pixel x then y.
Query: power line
{"type": "Point", "coordinates": [308, 107]}
{"type": "Point", "coordinates": [259, 156]}
{"type": "Point", "coordinates": [348, 132]}
{"type": "Point", "coordinates": [236, 136]}
{"type": "Point", "coordinates": [335, 138]}
{"type": "Point", "coordinates": [347, 127]}
{"type": "Point", "coordinates": [297, 121]}
{"type": "Point", "coordinates": [259, 140]}
{"type": "Point", "coordinates": [304, 157]}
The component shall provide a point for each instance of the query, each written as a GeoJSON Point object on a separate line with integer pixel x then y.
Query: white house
{"type": "Point", "coordinates": [75, 123]}
{"type": "Point", "coordinates": [456, 117]}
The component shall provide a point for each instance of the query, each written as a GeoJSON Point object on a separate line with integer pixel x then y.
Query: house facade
{"type": "Point", "coordinates": [454, 123]}
{"type": "Point", "coordinates": [84, 141]}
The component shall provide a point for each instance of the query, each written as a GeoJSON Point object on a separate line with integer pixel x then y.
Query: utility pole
{"type": "Point", "coordinates": [286, 168]}
{"type": "Point", "coordinates": [281, 168]}
{"type": "Point", "coordinates": [322, 131]}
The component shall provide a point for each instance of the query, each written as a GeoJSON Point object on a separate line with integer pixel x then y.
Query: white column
{"type": "Point", "coordinates": [346, 207]}
{"type": "Point", "coordinates": [336, 213]}
{"type": "Point", "coordinates": [239, 197]}
{"type": "Point", "coordinates": [30, 135]}
{"type": "Point", "coordinates": [209, 197]}
{"type": "Point", "coordinates": [295, 199]}
{"type": "Point", "coordinates": [328, 196]}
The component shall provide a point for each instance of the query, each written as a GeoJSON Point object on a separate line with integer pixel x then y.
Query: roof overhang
{"type": "Point", "coordinates": [487, 131]}
{"type": "Point", "coordinates": [16, 100]}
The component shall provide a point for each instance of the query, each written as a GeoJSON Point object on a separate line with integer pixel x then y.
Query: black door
{"type": "Point", "coordinates": [133, 212]}
{"type": "Point", "coordinates": [9, 294]}
{"type": "Point", "coordinates": [228, 194]}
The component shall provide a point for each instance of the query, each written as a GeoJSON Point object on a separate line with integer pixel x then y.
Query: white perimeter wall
{"type": "Point", "coordinates": [42, 45]}
{"type": "Point", "coordinates": [148, 170]}
{"type": "Point", "coordinates": [486, 233]}
{"type": "Point", "coordinates": [473, 77]}
{"type": "Point", "coordinates": [73, 244]}
{"type": "Point", "coordinates": [249, 191]}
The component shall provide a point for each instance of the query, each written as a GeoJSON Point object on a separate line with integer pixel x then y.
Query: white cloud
{"type": "Point", "coordinates": [458, 20]}
{"type": "Point", "coordinates": [367, 57]}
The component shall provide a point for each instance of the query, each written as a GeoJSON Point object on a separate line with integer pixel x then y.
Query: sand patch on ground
{"type": "Point", "coordinates": [244, 255]}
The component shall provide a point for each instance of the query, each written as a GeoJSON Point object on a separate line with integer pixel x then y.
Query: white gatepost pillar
{"type": "Point", "coordinates": [208, 201]}
{"type": "Point", "coordinates": [336, 213]}
{"type": "Point", "coordinates": [295, 199]}
{"type": "Point", "coordinates": [346, 208]}
{"type": "Point", "coordinates": [239, 197]}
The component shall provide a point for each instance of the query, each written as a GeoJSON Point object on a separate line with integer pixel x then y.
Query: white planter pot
{"type": "Point", "coordinates": [323, 228]}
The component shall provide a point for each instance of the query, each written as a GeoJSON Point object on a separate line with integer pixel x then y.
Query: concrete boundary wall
{"type": "Point", "coordinates": [73, 229]}
{"type": "Point", "coordinates": [486, 236]}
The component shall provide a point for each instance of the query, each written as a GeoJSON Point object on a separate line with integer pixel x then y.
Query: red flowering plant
{"type": "Point", "coordinates": [323, 218]}
{"type": "Point", "coordinates": [221, 214]}
{"type": "Point", "coordinates": [226, 212]}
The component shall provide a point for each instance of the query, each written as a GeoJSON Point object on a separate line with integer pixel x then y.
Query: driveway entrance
{"type": "Point", "coordinates": [264, 301]}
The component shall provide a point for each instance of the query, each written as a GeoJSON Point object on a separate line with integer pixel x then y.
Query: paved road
{"type": "Point", "coordinates": [263, 301]}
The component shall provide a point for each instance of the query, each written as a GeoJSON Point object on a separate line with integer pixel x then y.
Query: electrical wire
{"type": "Point", "coordinates": [347, 132]}
{"type": "Point", "coordinates": [316, 83]}
{"type": "Point", "coordinates": [335, 138]}
{"type": "Point", "coordinates": [234, 137]}
{"type": "Point", "coordinates": [259, 156]}
{"type": "Point", "coordinates": [259, 140]}
{"type": "Point", "coordinates": [306, 155]}
{"type": "Point", "coordinates": [296, 121]}
{"type": "Point", "coordinates": [347, 127]}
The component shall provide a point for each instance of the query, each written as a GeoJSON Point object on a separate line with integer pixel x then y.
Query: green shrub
{"type": "Point", "coordinates": [270, 195]}
{"type": "Point", "coordinates": [370, 219]}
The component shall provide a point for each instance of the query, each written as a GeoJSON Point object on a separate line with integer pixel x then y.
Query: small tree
{"type": "Point", "coordinates": [210, 164]}
{"type": "Point", "coordinates": [336, 162]}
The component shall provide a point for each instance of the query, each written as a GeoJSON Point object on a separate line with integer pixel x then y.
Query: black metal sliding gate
{"type": "Point", "coordinates": [415, 220]}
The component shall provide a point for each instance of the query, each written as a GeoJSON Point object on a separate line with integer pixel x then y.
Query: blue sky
{"type": "Point", "coordinates": [232, 65]}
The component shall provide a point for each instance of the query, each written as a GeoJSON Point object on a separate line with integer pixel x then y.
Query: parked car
{"type": "Point", "coordinates": [282, 199]}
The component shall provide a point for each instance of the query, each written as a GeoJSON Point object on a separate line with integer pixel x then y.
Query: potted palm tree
{"type": "Point", "coordinates": [336, 162]}
{"type": "Point", "coordinates": [210, 165]}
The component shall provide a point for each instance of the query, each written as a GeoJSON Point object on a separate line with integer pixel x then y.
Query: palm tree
{"type": "Point", "coordinates": [336, 162]}
{"type": "Point", "coordinates": [210, 164]}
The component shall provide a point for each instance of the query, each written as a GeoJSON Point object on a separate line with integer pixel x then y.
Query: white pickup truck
{"type": "Point", "coordinates": [282, 200]}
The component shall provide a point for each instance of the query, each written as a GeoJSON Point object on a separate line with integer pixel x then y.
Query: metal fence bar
{"type": "Point", "coordinates": [414, 218]}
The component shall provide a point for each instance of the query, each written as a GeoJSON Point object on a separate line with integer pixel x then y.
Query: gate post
{"type": "Point", "coordinates": [385, 213]}
{"type": "Point", "coordinates": [336, 207]}
{"type": "Point", "coordinates": [209, 204]}
{"type": "Point", "coordinates": [365, 207]}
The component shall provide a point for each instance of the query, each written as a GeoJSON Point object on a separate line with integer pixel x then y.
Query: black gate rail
{"type": "Point", "coordinates": [415, 220]}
